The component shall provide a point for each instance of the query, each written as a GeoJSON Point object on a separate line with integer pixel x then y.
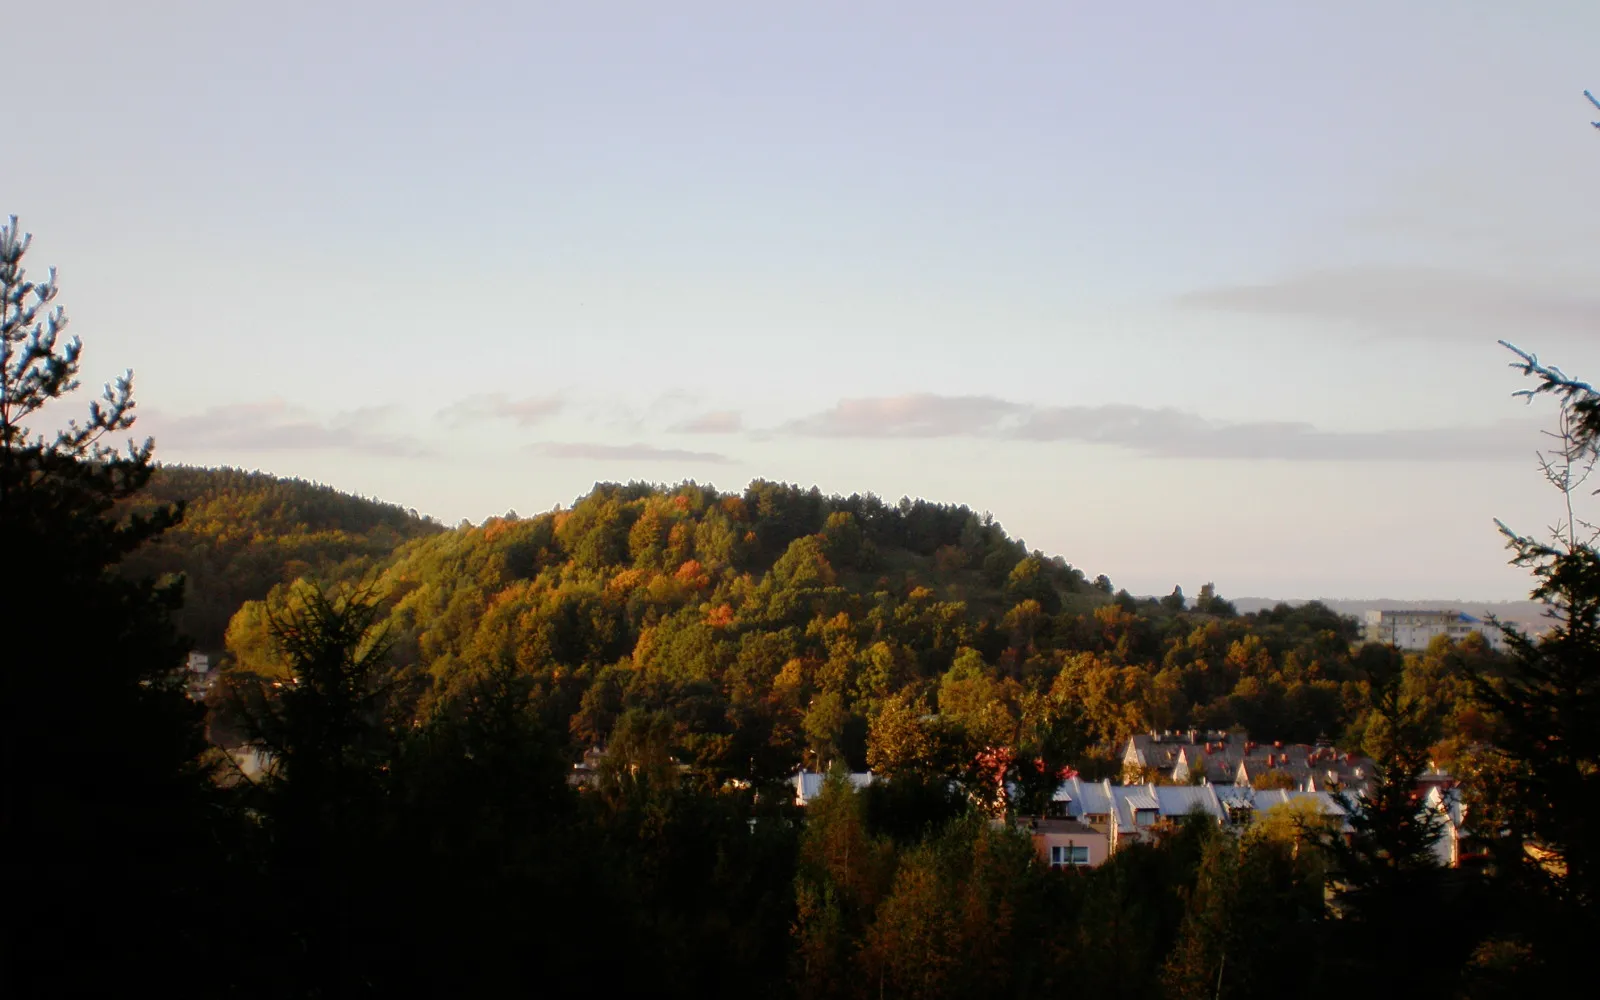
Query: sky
{"type": "Point", "coordinates": [1181, 291]}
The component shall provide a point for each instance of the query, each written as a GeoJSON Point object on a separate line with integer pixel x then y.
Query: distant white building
{"type": "Point", "coordinates": [200, 675]}
{"type": "Point", "coordinates": [808, 784]}
{"type": "Point", "coordinates": [1415, 629]}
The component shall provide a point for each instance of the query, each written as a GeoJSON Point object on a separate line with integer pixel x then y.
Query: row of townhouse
{"type": "Point", "coordinates": [1091, 821]}
{"type": "Point", "coordinates": [1232, 758]}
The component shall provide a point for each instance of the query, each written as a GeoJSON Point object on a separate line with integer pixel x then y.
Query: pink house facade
{"type": "Point", "coordinates": [1068, 844]}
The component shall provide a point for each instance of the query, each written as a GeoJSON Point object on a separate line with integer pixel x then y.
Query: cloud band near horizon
{"type": "Point", "coordinates": [275, 425]}
{"type": "Point", "coordinates": [636, 452]}
{"type": "Point", "coordinates": [1157, 431]}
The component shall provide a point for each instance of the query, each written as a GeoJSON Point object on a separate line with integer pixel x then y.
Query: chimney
{"type": "Point", "coordinates": [1194, 736]}
{"type": "Point", "coordinates": [1277, 744]}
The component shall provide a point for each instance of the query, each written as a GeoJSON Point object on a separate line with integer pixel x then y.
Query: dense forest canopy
{"type": "Point", "coordinates": [779, 627]}
{"type": "Point", "coordinates": [243, 533]}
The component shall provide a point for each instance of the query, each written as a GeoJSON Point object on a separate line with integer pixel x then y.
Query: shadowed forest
{"type": "Point", "coordinates": [420, 696]}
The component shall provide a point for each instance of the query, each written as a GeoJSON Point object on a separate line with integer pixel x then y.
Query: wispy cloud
{"type": "Point", "coordinates": [1160, 432]}
{"type": "Point", "coordinates": [498, 406]}
{"type": "Point", "coordinates": [633, 415]}
{"type": "Point", "coordinates": [274, 425]}
{"type": "Point", "coordinates": [918, 415]}
{"type": "Point", "coordinates": [715, 422]}
{"type": "Point", "coordinates": [1176, 434]}
{"type": "Point", "coordinates": [1412, 301]}
{"type": "Point", "coordinates": [625, 452]}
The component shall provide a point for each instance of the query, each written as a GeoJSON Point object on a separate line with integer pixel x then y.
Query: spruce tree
{"type": "Point", "coordinates": [1538, 797]}
{"type": "Point", "coordinates": [106, 827]}
{"type": "Point", "coordinates": [323, 800]}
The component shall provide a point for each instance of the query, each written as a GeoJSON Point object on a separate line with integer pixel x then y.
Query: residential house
{"type": "Point", "coordinates": [808, 784]}
{"type": "Point", "coordinates": [1319, 768]}
{"type": "Point", "coordinates": [1135, 813]}
{"type": "Point", "coordinates": [1213, 762]}
{"type": "Point", "coordinates": [1214, 754]}
{"type": "Point", "coordinates": [1068, 843]}
{"type": "Point", "coordinates": [1077, 832]}
{"type": "Point", "coordinates": [586, 773]}
{"type": "Point", "coordinates": [1178, 801]}
{"type": "Point", "coordinates": [1456, 846]}
{"type": "Point", "coordinates": [1349, 775]}
{"type": "Point", "coordinates": [199, 675]}
{"type": "Point", "coordinates": [1245, 804]}
{"type": "Point", "coordinates": [1219, 758]}
{"type": "Point", "coordinates": [1435, 777]}
{"type": "Point", "coordinates": [1140, 813]}
{"type": "Point", "coordinates": [1085, 801]}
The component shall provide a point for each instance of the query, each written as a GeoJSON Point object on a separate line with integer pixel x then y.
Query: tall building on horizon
{"type": "Point", "coordinates": [1413, 630]}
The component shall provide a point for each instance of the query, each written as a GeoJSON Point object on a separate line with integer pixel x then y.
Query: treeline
{"type": "Point", "coordinates": [243, 533]}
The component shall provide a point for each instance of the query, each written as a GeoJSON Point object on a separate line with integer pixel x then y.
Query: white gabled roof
{"type": "Point", "coordinates": [1181, 800]}
{"type": "Point", "coordinates": [1448, 803]}
{"type": "Point", "coordinates": [1084, 797]}
{"type": "Point", "coordinates": [808, 784]}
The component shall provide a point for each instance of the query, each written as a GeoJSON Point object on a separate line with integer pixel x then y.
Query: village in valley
{"type": "Point", "coordinates": [724, 499]}
{"type": "Point", "coordinates": [1224, 776]}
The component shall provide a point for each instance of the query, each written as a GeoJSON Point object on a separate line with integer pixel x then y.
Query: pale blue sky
{"type": "Point", "coordinates": [1181, 291]}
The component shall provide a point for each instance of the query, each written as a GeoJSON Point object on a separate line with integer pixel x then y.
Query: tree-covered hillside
{"type": "Point", "coordinates": [244, 532]}
{"type": "Point", "coordinates": [781, 627]}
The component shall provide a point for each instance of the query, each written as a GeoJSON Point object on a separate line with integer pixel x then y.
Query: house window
{"type": "Point", "coordinates": [1068, 856]}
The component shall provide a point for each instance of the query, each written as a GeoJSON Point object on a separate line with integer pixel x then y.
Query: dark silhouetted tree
{"type": "Point", "coordinates": [330, 741]}
{"type": "Point", "coordinates": [106, 834]}
{"type": "Point", "coordinates": [1540, 780]}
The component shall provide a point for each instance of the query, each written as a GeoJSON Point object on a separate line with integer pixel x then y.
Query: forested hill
{"type": "Point", "coordinates": [759, 630]}
{"type": "Point", "coordinates": [245, 532]}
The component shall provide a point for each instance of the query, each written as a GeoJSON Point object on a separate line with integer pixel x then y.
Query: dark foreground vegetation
{"type": "Point", "coordinates": [422, 695]}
